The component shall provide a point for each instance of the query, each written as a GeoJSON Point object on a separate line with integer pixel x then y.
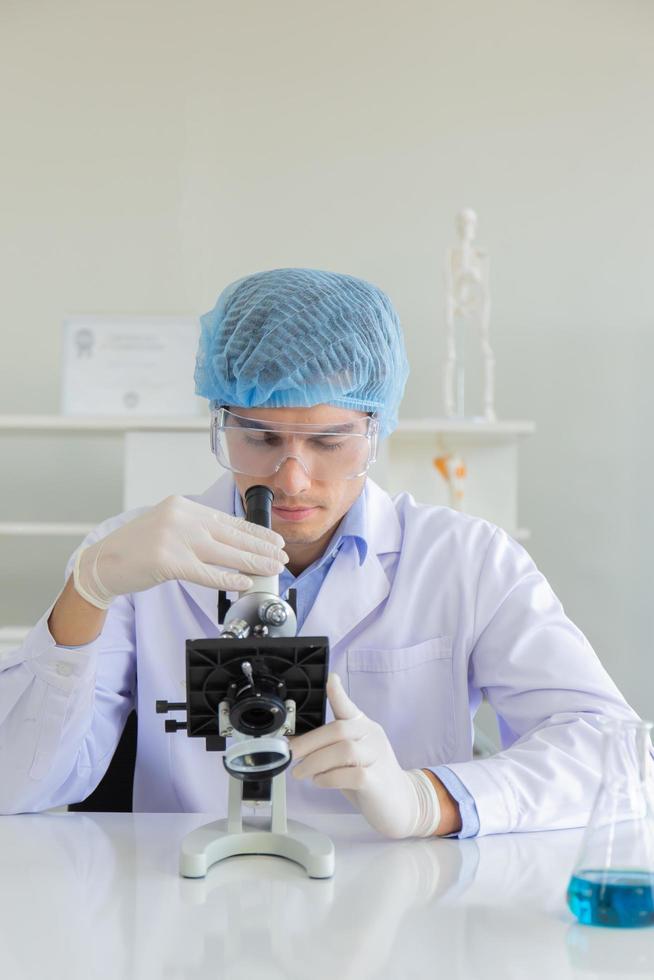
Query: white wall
{"type": "Point", "coordinates": [152, 151]}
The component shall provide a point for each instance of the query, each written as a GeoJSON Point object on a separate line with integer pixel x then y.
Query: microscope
{"type": "Point", "coordinates": [255, 684]}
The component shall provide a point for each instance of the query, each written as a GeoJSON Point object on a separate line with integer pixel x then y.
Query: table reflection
{"type": "Point", "coordinates": [99, 895]}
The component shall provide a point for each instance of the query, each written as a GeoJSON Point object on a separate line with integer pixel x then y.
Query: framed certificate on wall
{"type": "Point", "coordinates": [129, 366]}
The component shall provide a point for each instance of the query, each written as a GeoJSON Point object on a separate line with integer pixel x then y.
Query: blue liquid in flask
{"type": "Point", "coordinates": [623, 899]}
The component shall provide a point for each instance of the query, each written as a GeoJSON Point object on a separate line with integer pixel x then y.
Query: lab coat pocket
{"type": "Point", "coordinates": [409, 691]}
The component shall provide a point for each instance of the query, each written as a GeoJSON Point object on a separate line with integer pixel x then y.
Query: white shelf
{"type": "Point", "coordinates": [8, 633]}
{"type": "Point", "coordinates": [462, 428]}
{"type": "Point", "coordinates": [30, 528]}
{"type": "Point", "coordinates": [65, 529]}
{"type": "Point", "coordinates": [175, 423]}
{"type": "Point", "coordinates": [108, 423]}
{"type": "Point", "coordinates": [12, 636]}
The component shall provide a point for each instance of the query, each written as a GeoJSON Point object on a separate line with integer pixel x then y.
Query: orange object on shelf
{"type": "Point", "coordinates": [440, 462]}
{"type": "Point", "coordinates": [454, 475]}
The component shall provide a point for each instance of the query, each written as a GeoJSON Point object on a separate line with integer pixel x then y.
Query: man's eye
{"type": "Point", "coordinates": [263, 440]}
{"type": "Point", "coordinates": [328, 445]}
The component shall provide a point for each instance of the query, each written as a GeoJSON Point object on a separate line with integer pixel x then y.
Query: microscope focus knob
{"type": "Point", "coordinates": [273, 612]}
{"type": "Point", "coordinates": [237, 629]}
{"type": "Point", "coordinates": [175, 726]}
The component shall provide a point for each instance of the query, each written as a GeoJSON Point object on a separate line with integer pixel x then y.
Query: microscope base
{"type": "Point", "coordinates": [206, 845]}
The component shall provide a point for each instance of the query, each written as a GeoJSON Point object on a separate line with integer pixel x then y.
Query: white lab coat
{"type": "Point", "coordinates": [445, 607]}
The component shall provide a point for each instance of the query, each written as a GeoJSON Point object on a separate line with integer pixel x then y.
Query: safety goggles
{"type": "Point", "coordinates": [256, 447]}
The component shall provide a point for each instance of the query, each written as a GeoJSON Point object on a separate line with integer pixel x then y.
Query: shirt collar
{"type": "Point", "coordinates": [354, 526]}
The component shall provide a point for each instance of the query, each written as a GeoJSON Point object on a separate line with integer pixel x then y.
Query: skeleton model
{"type": "Point", "coordinates": [467, 314]}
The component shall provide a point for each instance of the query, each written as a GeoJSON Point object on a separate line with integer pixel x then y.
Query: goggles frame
{"type": "Point", "coordinates": [219, 414]}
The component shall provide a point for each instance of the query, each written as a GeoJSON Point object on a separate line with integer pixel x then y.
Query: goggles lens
{"type": "Point", "coordinates": [256, 447]}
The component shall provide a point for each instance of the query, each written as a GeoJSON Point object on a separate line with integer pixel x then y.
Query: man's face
{"type": "Point", "coordinates": [305, 510]}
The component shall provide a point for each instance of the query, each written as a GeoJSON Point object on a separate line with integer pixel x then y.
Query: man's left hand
{"type": "Point", "coordinates": [353, 754]}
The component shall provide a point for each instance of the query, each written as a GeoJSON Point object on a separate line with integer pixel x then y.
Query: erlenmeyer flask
{"type": "Point", "coordinates": [613, 880]}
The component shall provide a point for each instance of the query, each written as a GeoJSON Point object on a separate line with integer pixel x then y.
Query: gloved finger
{"type": "Point", "coordinates": [210, 516]}
{"type": "Point", "coordinates": [265, 533]}
{"type": "Point", "coordinates": [212, 552]}
{"type": "Point", "coordinates": [239, 536]}
{"type": "Point", "coordinates": [353, 778]}
{"type": "Point", "coordinates": [334, 732]}
{"type": "Point", "coordinates": [212, 576]}
{"type": "Point", "coordinates": [348, 753]}
{"type": "Point", "coordinates": [342, 707]}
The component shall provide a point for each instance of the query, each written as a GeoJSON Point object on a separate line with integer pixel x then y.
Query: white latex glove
{"type": "Point", "coordinates": [177, 539]}
{"type": "Point", "coordinates": [353, 754]}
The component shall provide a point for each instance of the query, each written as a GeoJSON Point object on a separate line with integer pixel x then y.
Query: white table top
{"type": "Point", "coordinates": [99, 895]}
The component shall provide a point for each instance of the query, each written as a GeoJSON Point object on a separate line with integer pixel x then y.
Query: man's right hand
{"type": "Point", "coordinates": [177, 539]}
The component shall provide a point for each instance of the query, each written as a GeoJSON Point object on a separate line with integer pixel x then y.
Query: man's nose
{"type": "Point", "coordinates": [291, 478]}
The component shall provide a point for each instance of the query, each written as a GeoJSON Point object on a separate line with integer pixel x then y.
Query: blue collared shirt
{"type": "Point", "coordinates": [352, 533]}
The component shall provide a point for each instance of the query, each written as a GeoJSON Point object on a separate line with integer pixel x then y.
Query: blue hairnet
{"type": "Point", "coordinates": [301, 337]}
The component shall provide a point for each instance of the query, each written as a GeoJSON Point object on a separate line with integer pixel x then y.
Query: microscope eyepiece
{"type": "Point", "coordinates": [258, 504]}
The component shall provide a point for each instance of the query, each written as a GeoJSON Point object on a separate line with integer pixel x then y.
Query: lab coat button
{"type": "Point", "coordinates": [64, 669]}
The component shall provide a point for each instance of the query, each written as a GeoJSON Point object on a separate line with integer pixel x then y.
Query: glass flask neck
{"type": "Point", "coordinates": [626, 755]}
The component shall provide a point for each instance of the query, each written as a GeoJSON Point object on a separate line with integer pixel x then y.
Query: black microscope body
{"type": "Point", "coordinates": [256, 681]}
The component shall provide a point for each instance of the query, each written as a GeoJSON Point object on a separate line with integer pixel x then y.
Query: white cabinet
{"type": "Point", "coordinates": [161, 456]}
{"type": "Point", "coordinates": [488, 450]}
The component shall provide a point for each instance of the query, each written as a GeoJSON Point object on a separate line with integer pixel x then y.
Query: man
{"type": "Point", "coordinates": [426, 609]}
